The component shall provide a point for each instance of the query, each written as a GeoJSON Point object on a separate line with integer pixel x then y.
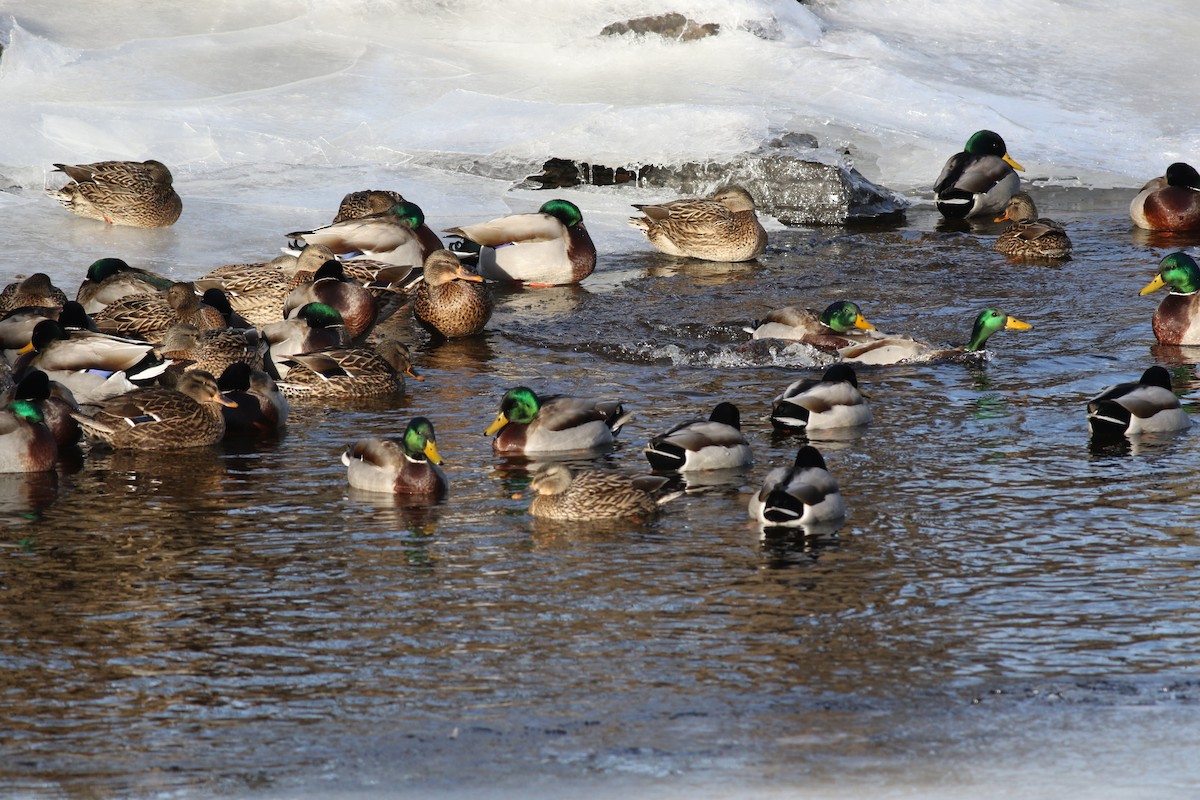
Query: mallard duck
{"type": "Point", "coordinates": [211, 351]}
{"type": "Point", "coordinates": [833, 401]}
{"type": "Point", "coordinates": [549, 248]}
{"type": "Point", "coordinates": [16, 327]}
{"type": "Point", "coordinates": [316, 326]}
{"type": "Point", "coordinates": [1170, 202]}
{"type": "Point", "coordinates": [260, 408]}
{"type": "Point", "coordinates": [110, 279]}
{"type": "Point", "coordinates": [801, 494]}
{"type": "Point", "coordinates": [53, 401]}
{"type": "Point", "coordinates": [36, 290]}
{"type": "Point", "coordinates": [356, 205]}
{"type": "Point", "coordinates": [556, 423]}
{"type": "Point", "coordinates": [408, 465]}
{"type": "Point", "coordinates": [135, 193]}
{"type": "Point", "coordinates": [905, 349]}
{"type": "Point", "coordinates": [148, 316]}
{"type": "Point", "coordinates": [452, 301]}
{"type": "Point", "coordinates": [1177, 318]}
{"type": "Point", "coordinates": [1029, 236]}
{"type": "Point", "coordinates": [158, 418]}
{"type": "Point", "coordinates": [26, 444]}
{"type": "Point", "coordinates": [722, 227]}
{"type": "Point", "coordinates": [1148, 406]}
{"type": "Point", "coordinates": [594, 494]}
{"type": "Point", "coordinates": [331, 287]}
{"type": "Point", "coordinates": [94, 366]}
{"type": "Point", "coordinates": [215, 298]}
{"type": "Point", "coordinates": [715, 443]}
{"type": "Point", "coordinates": [257, 292]}
{"type": "Point", "coordinates": [346, 373]}
{"type": "Point", "coordinates": [979, 180]}
{"type": "Point", "coordinates": [390, 237]}
{"type": "Point", "coordinates": [841, 324]}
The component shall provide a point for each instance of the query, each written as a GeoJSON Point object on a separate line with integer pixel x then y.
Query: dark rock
{"type": "Point", "coordinates": [669, 26]}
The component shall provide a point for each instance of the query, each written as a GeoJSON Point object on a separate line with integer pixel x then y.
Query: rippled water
{"type": "Point", "coordinates": [1005, 607]}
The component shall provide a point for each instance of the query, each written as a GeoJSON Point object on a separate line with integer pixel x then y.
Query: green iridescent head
{"type": "Point", "coordinates": [1178, 271]}
{"type": "Point", "coordinates": [106, 268]}
{"type": "Point", "coordinates": [26, 410]}
{"type": "Point", "coordinates": [989, 143]}
{"type": "Point", "coordinates": [988, 322]}
{"type": "Point", "coordinates": [408, 213]}
{"type": "Point", "coordinates": [419, 443]}
{"type": "Point", "coordinates": [843, 316]}
{"type": "Point", "coordinates": [519, 405]}
{"type": "Point", "coordinates": [320, 315]}
{"type": "Point", "coordinates": [564, 211]}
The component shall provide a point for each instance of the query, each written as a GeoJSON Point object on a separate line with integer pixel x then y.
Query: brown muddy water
{"type": "Point", "coordinates": [1006, 611]}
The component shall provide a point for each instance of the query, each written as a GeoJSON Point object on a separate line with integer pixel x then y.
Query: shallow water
{"type": "Point", "coordinates": [1006, 609]}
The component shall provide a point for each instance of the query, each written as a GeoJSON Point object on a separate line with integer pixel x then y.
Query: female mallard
{"type": "Point", "coordinates": [36, 290]}
{"type": "Point", "coordinates": [356, 205]}
{"type": "Point", "coordinates": [53, 401]}
{"type": "Point", "coordinates": [390, 236]}
{"type": "Point", "coordinates": [1029, 236]}
{"type": "Point", "coordinates": [331, 287]}
{"type": "Point", "coordinates": [452, 301]}
{"type": "Point", "coordinates": [408, 465]}
{"type": "Point", "coordinates": [715, 443]}
{"type": "Point", "coordinates": [346, 373]}
{"type": "Point", "coordinates": [594, 494]}
{"type": "Point", "coordinates": [530, 424]}
{"type": "Point", "coordinates": [833, 401]}
{"type": "Point", "coordinates": [802, 494]}
{"type": "Point", "coordinates": [1170, 202]}
{"type": "Point", "coordinates": [212, 351]}
{"type": "Point", "coordinates": [260, 407]}
{"type": "Point", "coordinates": [905, 349]}
{"type": "Point", "coordinates": [158, 418]}
{"type": "Point", "coordinates": [722, 227]}
{"type": "Point", "coordinates": [841, 324]}
{"type": "Point", "coordinates": [1177, 318]}
{"type": "Point", "coordinates": [132, 193]}
{"type": "Point", "coordinates": [549, 248]}
{"type": "Point", "coordinates": [94, 366]}
{"type": "Point", "coordinates": [979, 180]}
{"type": "Point", "coordinates": [148, 316]}
{"type": "Point", "coordinates": [1148, 406]}
{"type": "Point", "coordinates": [316, 326]}
{"type": "Point", "coordinates": [26, 444]}
{"type": "Point", "coordinates": [258, 292]}
{"type": "Point", "coordinates": [110, 279]}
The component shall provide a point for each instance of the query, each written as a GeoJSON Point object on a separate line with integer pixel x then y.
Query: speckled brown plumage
{"type": "Point", "coordinates": [138, 194]}
{"type": "Point", "coordinates": [149, 316]}
{"type": "Point", "coordinates": [211, 351]}
{"type": "Point", "coordinates": [158, 418]}
{"type": "Point", "coordinates": [452, 301]}
{"type": "Point", "coordinates": [346, 373]}
{"type": "Point", "coordinates": [36, 290]}
{"type": "Point", "coordinates": [593, 494]}
{"type": "Point", "coordinates": [1029, 236]}
{"type": "Point", "coordinates": [722, 227]}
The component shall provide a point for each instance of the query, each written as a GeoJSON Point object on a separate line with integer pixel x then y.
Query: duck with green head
{"type": "Point", "coordinates": [549, 248]}
{"type": "Point", "coordinates": [110, 279]}
{"type": "Point", "coordinates": [979, 180]}
{"type": "Point", "coordinates": [409, 465]}
{"type": "Point", "coordinates": [905, 349]}
{"type": "Point", "coordinates": [26, 444]}
{"type": "Point", "coordinates": [1177, 318]}
{"type": "Point", "coordinates": [841, 324]}
{"type": "Point", "coordinates": [390, 236]}
{"type": "Point", "coordinates": [529, 424]}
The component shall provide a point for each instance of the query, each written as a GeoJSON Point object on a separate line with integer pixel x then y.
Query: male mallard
{"type": "Point", "coordinates": [53, 401]}
{"type": "Point", "coordinates": [1148, 406]}
{"type": "Point", "coordinates": [1177, 318]}
{"type": "Point", "coordinates": [346, 373]}
{"type": "Point", "coordinates": [1029, 236]}
{"type": "Point", "coordinates": [715, 443]}
{"type": "Point", "coordinates": [36, 290]}
{"type": "Point", "coordinates": [549, 248]}
{"type": "Point", "coordinates": [979, 180]}
{"type": "Point", "coordinates": [452, 301]}
{"type": "Point", "coordinates": [94, 366]}
{"type": "Point", "coordinates": [841, 324]}
{"type": "Point", "coordinates": [356, 205]}
{"type": "Point", "coordinates": [408, 465]}
{"type": "Point", "coordinates": [316, 326]}
{"type": "Point", "coordinates": [260, 407]}
{"type": "Point", "coordinates": [132, 193]}
{"type": "Point", "coordinates": [212, 351]}
{"type": "Point", "coordinates": [905, 349]}
{"type": "Point", "coordinates": [556, 423]}
{"type": "Point", "coordinates": [158, 418]}
{"type": "Point", "coordinates": [390, 236]}
{"type": "Point", "coordinates": [594, 494]}
{"type": "Point", "coordinates": [833, 401]}
{"type": "Point", "coordinates": [148, 316]}
{"type": "Point", "coordinates": [110, 279]}
{"type": "Point", "coordinates": [722, 227]}
{"type": "Point", "coordinates": [801, 494]}
{"type": "Point", "coordinates": [26, 444]}
{"type": "Point", "coordinates": [1170, 202]}
{"type": "Point", "coordinates": [331, 287]}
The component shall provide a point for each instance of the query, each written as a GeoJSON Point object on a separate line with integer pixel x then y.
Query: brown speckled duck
{"type": "Point", "coordinates": [158, 418]}
{"type": "Point", "coordinates": [134, 193]}
{"type": "Point", "coordinates": [452, 301]}
{"type": "Point", "coordinates": [346, 373]}
{"type": "Point", "coordinates": [594, 494]}
{"type": "Point", "coordinates": [722, 227]}
{"type": "Point", "coordinates": [1029, 236]}
{"type": "Point", "coordinates": [1170, 202]}
{"type": "Point", "coordinates": [148, 316]}
{"type": "Point", "coordinates": [36, 290]}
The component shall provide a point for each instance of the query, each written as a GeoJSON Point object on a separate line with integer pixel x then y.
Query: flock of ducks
{"type": "Point", "coordinates": [140, 361]}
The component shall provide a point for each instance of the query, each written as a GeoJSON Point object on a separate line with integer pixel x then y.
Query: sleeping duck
{"type": "Point", "coordinates": [905, 349]}
{"type": "Point", "coordinates": [529, 424]}
{"type": "Point", "coordinates": [801, 494]}
{"type": "Point", "coordinates": [1170, 202]}
{"type": "Point", "coordinates": [832, 401]}
{"type": "Point", "coordinates": [549, 248]}
{"type": "Point", "coordinates": [715, 443]}
{"type": "Point", "coordinates": [1148, 406]}
{"type": "Point", "coordinates": [979, 180]}
{"type": "Point", "coordinates": [1029, 236]}
{"type": "Point", "coordinates": [1177, 318]}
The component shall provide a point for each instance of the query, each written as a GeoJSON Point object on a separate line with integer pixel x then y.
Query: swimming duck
{"type": "Point", "coordinates": [905, 349]}
{"type": "Point", "coordinates": [1148, 406]}
{"type": "Point", "coordinates": [135, 193]}
{"type": "Point", "coordinates": [356, 205]}
{"type": "Point", "coordinates": [802, 494]}
{"type": "Point", "coordinates": [594, 494]}
{"type": "Point", "coordinates": [722, 227]}
{"type": "Point", "coordinates": [1170, 202]}
{"type": "Point", "coordinates": [389, 236]}
{"type": "Point", "coordinates": [110, 279]}
{"type": "Point", "coordinates": [332, 287]}
{"type": "Point", "coordinates": [833, 401]}
{"type": "Point", "coordinates": [452, 301]}
{"type": "Point", "coordinates": [346, 373]}
{"type": "Point", "coordinates": [260, 407]}
{"type": "Point", "coordinates": [408, 465]}
{"type": "Point", "coordinates": [148, 316]}
{"type": "Point", "coordinates": [1029, 236]}
{"type": "Point", "coordinates": [26, 444]}
{"type": "Point", "coordinates": [841, 324]}
{"type": "Point", "coordinates": [557, 423]}
{"type": "Point", "coordinates": [979, 180]}
{"type": "Point", "coordinates": [549, 248]}
{"type": "Point", "coordinates": [211, 351]}
{"type": "Point", "coordinates": [158, 418]}
{"type": "Point", "coordinates": [316, 326]}
{"type": "Point", "coordinates": [715, 443]}
{"type": "Point", "coordinates": [1177, 318]}
{"type": "Point", "coordinates": [36, 290]}
{"type": "Point", "coordinates": [53, 401]}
